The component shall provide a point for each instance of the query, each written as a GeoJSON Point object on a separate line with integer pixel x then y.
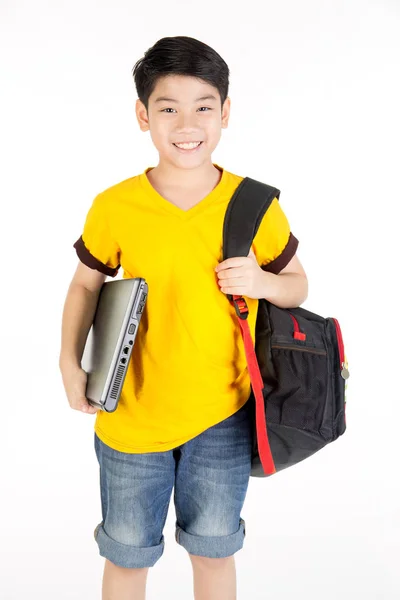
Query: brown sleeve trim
{"type": "Point", "coordinates": [91, 261]}
{"type": "Point", "coordinates": [280, 262]}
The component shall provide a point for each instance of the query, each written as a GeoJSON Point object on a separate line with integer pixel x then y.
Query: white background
{"type": "Point", "coordinates": [315, 98]}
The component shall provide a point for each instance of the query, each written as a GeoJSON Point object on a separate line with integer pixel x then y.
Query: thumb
{"type": "Point", "coordinates": [87, 407]}
{"type": "Point", "coordinates": [90, 410]}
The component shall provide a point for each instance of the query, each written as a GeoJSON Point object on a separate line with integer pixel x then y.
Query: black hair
{"type": "Point", "coordinates": [180, 55]}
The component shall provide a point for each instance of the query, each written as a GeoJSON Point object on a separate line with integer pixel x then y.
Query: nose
{"type": "Point", "coordinates": [187, 123]}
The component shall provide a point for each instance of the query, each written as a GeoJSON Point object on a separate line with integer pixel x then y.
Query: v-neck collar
{"type": "Point", "coordinates": [180, 212]}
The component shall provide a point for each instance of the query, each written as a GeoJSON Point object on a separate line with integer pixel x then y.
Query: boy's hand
{"type": "Point", "coordinates": [242, 276]}
{"type": "Point", "coordinates": [75, 379]}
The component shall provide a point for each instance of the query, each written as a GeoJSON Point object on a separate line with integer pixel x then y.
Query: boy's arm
{"type": "Point", "coordinates": [243, 276]}
{"type": "Point", "coordinates": [289, 288]}
{"type": "Point", "coordinates": [79, 309]}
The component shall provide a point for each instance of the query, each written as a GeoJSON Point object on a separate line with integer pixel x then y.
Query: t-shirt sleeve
{"type": "Point", "coordinates": [274, 243]}
{"type": "Point", "coordinates": [96, 247]}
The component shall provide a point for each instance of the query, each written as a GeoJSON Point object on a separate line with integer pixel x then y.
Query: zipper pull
{"type": "Point", "coordinates": [297, 334]}
{"type": "Point", "coordinates": [345, 372]}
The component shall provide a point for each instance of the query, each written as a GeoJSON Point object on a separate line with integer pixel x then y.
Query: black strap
{"type": "Point", "coordinates": [243, 216]}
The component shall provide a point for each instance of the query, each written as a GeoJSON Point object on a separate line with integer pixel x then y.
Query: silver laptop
{"type": "Point", "coordinates": [111, 338]}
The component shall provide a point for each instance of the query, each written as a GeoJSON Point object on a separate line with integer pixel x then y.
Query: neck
{"type": "Point", "coordinates": [173, 177]}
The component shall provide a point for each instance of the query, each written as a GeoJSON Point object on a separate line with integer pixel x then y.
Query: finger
{"type": "Point", "coordinates": [91, 410]}
{"type": "Point", "coordinates": [87, 408]}
{"type": "Point", "coordinates": [236, 261]}
{"type": "Point", "coordinates": [234, 285]}
{"type": "Point", "coordinates": [239, 282]}
{"type": "Point", "coordinates": [231, 274]}
{"type": "Point", "coordinates": [233, 282]}
{"type": "Point", "coordinates": [234, 291]}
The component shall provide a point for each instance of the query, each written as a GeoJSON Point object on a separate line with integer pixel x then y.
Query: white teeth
{"type": "Point", "coordinates": [188, 146]}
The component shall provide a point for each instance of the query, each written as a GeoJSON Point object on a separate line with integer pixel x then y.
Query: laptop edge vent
{"type": "Point", "coordinates": [117, 381]}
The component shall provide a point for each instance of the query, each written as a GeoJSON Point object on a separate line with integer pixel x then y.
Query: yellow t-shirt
{"type": "Point", "coordinates": [188, 366]}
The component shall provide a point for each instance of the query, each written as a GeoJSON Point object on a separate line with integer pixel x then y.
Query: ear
{"type": "Point", "coordinates": [142, 116]}
{"type": "Point", "coordinates": [226, 109]}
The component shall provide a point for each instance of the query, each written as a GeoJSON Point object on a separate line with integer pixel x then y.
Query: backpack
{"type": "Point", "coordinates": [297, 363]}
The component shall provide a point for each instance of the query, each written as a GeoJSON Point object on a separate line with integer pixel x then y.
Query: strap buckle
{"type": "Point", "coordinates": [241, 307]}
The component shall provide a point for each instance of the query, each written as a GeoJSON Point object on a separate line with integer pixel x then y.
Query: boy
{"type": "Point", "coordinates": [182, 420]}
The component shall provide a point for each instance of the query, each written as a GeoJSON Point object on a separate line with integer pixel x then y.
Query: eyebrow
{"type": "Point", "coordinates": [165, 99]}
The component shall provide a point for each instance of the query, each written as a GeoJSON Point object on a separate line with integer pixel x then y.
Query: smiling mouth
{"type": "Point", "coordinates": [188, 149]}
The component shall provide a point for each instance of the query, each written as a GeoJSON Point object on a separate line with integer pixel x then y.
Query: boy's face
{"type": "Point", "coordinates": [184, 118]}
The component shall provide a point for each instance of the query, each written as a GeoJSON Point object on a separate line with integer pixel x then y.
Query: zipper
{"type": "Point", "coordinates": [300, 335]}
{"type": "Point", "coordinates": [312, 350]}
{"type": "Point", "coordinates": [297, 334]}
{"type": "Point", "coordinates": [343, 362]}
{"type": "Point", "coordinates": [342, 358]}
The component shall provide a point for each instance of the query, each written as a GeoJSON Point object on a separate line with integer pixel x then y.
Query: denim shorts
{"type": "Point", "coordinates": [210, 476]}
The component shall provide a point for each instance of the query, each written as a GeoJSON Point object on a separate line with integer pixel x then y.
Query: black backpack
{"type": "Point", "coordinates": [298, 368]}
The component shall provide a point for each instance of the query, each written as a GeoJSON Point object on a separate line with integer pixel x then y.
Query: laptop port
{"type": "Point", "coordinates": [123, 360]}
{"type": "Point", "coordinates": [126, 349]}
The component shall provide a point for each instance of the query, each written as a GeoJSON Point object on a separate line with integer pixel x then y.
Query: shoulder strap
{"type": "Point", "coordinates": [243, 216]}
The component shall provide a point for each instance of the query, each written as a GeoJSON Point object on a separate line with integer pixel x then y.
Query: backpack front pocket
{"type": "Point", "coordinates": [299, 397]}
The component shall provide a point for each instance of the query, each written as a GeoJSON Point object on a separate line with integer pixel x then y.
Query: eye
{"type": "Point", "coordinates": [206, 107]}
